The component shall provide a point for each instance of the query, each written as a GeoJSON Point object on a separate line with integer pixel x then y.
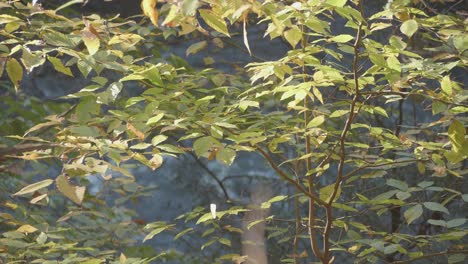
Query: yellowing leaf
{"type": "Point", "coordinates": [293, 36]}
{"type": "Point", "coordinates": [90, 40]}
{"type": "Point", "coordinates": [337, 3]}
{"type": "Point", "coordinates": [446, 85]}
{"type": "Point", "coordinates": [58, 66]}
{"type": "Point", "coordinates": [155, 119]}
{"type": "Point", "coordinates": [135, 131]}
{"type": "Point", "coordinates": [342, 38]}
{"type": "Point", "coordinates": [34, 187]}
{"type": "Point", "coordinates": [156, 161]}
{"type": "Point", "coordinates": [149, 10]}
{"type": "Point", "coordinates": [317, 121]}
{"type": "Point", "coordinates": [74, 193]}
{"type": "Point", "coordinates": [38, 198]}
{"type": "Point", "coordinates": [326, 192]}
{"type": "Point", "coordinates": [267, 204]}
{"type": "Point", "coordinates": [26, 229]}
{"type": "Point", "coordinates": [214, 21]}
{"type": "Point", "coordinates": [456, 133]}
{"type": "Point", "coordinates": [409, 27]}
{"type": "Point", "coordinates": [15, 72]}
{"type": "Point", "coordinates": [226, 156]}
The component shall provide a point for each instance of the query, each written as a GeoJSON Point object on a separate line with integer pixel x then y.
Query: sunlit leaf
{"type": "Point", "coordinates": [34, 187]}
{"type": "Point", "coordinates": [409, 27]}
{"type": "Point", "coordinates": [149, 10]}
{"type": "Point", "coordinates": [275, 199]}
{"type": "Point", "coordinates": [214, 21]}
{"type": "Point", "coordinates": [90, 40]}
{"type": "Point", "coordinates": [341, 38]}
{"type": "Point", "coordinates": [58, 66]}
{"type": "Point", "coordinates": [293, 36]}
{"type": "Point", "coordinates": [316, 121]}
{"type": "Point", "coordinates": [27, 229]}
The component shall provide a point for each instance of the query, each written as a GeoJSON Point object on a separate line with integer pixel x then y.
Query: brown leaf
{"type": "Point", "coordinates": [90, 28]}
{"type": "Point", "coordinates": [135, 131]}
{"type": "Point", "coordinates": [149, 9]}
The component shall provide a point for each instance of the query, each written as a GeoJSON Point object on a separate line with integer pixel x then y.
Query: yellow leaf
{"type": "Point", "coordinates": [26, 229]}
{"type": "Point", "coordinates": [90, 40]}
{"type": "Point", "coordinates": [149, 9]}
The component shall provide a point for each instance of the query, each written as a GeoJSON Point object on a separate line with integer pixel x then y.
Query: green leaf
{"type": "Point", "coordinates": [437, 222]}
{"type": "Point", "coordinates": [226, 156]}
{"type": "Point", "coordinates": [34, 187]}
{"type": "Point", "coordinates": [58, 66]}
{"type": "Point", "coordinates": [413, 213]}
{"type": "Point", "coordinates": [316, 121]}
{"type": "Point", "coordinates": [189, 7]}
{"type": "Point", "coordinates": [15, 72]}
{"type": "Point", "coordinates": [393, 63]}
{"type": "Point", "coordinates": [338, 113]}
{"type": "Point", "coordinates": [196, 47]}
{"type": "Point", "coordinates": [379, 110]}
{"type": "Point", "coordinates": [225, 241]}
{"type": "Point", "coordinates": [190, 229]}
{"type": "Point", "coordinates": [436, 207]}
{"type": "Point", "coordinates": [155, 119]}
{"type": "Point", "coordinates": [244, 104]}
{"type": "Point", "coordinates": [446, 85]}
{"type": "Point", "coordinates": [293, 36]}
{"type": "Point", "coordinates": [337, 3]}
{"type": "Point", "coordinates": [74, 193]}
{"type": "Point", "coordinates": [208, 243]}
{"type": "Point", "coordinates": [158, 139]}
{"type": "Point", "coordinates": [204, 218]}
{"type": "Point", "coordinates": [343, 38]}
{"type": "Point", "coordinates": [465, 197]}
{"type": "Point", "coordinates": [409, 27]}
{"type": "Point", "coordinates": [397, 43]}
{"type": "Point", "coordinates": [401, 185]}
{"type": "Point", "coordinates": [215, 21]}
{"type": "Point", "coordinates": [55, 38]}
{"type": "Point", "coordinates": [155, 232]}
{"type": "Point", "coordinates": [326, 192]}
{"type": "Point", "coordinates": [438, 107]}
{"type": "Point", "coordinates": [456, 258]}
{"type": "Point", "coordinates": [203, 145]}
{"type": "Point", "coordinates": [456, 222]}
{"type": "Point", "coordinates": [275, 199]}
{"type": "Point", "coordinates": [30, 60]}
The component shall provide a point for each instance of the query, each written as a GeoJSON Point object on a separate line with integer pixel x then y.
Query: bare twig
{"type": "Point", "coordinates": [284, 176]}
{"type": "Point", "coordinates": [342, 140]}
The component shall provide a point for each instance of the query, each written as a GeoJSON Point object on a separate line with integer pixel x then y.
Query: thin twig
{"type": "Point", "coordinates": [342, 154]}
{"type": "Point", "coordinates": [284, 176]}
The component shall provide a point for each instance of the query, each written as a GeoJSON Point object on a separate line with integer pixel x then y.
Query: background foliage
{"type": "Point", "coordinates": [363, 120]}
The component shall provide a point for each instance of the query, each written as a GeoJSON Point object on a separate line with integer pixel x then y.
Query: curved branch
{"type": "Point", "coordinates": [284, 176]}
